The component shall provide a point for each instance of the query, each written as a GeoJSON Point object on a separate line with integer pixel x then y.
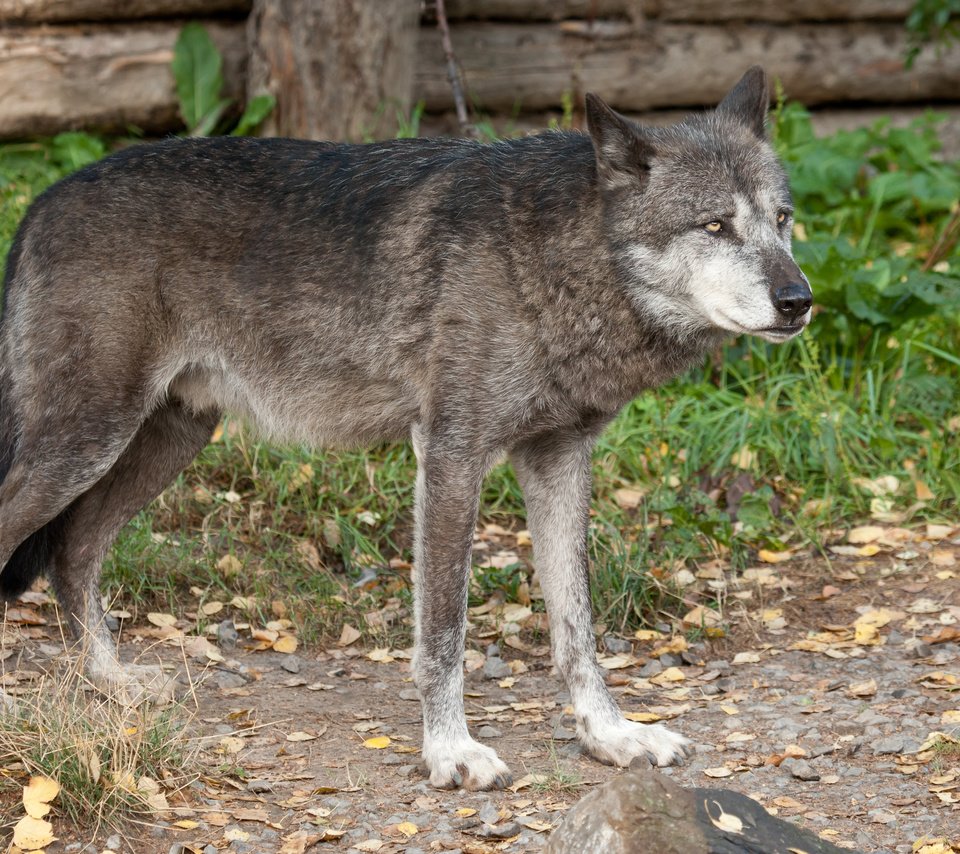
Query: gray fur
{"type": "Point", "coordinates": [482, 298]}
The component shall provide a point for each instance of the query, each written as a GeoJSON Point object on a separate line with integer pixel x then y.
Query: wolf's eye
{"type": "Point", "coordinates": [714, 226]}
{"type": "Point", "coordinates": [781, 217]}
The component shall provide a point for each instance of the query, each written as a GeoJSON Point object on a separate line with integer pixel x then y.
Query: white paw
{"type": "Point", "coordinates": [465, 763]}
{"type": "Point", "coordinates": [620, 743]}
{"type": "Point", "coordinates": [137, 683]}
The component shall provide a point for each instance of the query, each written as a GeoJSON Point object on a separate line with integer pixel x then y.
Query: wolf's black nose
{"type": "Point", "coordinates": [793, 300]}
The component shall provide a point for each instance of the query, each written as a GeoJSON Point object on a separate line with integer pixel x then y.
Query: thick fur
{"type": "Point", "coordinates": [477, 298]}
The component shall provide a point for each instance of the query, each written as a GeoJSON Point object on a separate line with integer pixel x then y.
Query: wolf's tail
{"type": "Point", "coordinates": [36, 552]}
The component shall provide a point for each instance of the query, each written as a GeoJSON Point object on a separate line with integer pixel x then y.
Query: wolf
{"type": "Point", "coordinates": [477, 298]}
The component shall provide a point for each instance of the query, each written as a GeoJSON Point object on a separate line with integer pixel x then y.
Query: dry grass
{"type": "Point", "coordinates": [114, 760]}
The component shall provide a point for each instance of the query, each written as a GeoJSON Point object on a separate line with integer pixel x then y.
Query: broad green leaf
{"type": "Point", "coordinates": [257, 110]}
{"type": "Point", "coordinates": [198, 71]}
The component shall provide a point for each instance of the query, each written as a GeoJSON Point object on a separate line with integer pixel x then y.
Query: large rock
{"type": "Point", "coordinates": [643, 811]}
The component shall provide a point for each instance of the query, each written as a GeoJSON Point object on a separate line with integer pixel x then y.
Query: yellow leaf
{"type": "Point", "coordinates": [235, 834]}
{"type": "Point", "coordinates": [408, 828]}
{"type": "Point", "coordinates": [865, 534]}
{"type": "Point", "coordinates": [868, 550]}
{"type": "Point", "coordinates": [524, 538]}
{"type": "Point", "coordinates": [187, 824]}
{"type": "Point", "coordinates": [208, 609]}
{"type": "Point", "coordinates": [229, 565]}
{"type": "Point", "coordinates": [377, 743]}
{"type": "Point", "coordinates": [466, 812]}
{"type": "Point", "coordinates": [717, 772]}
{"type": "Point", "coordinates": [162, 620]}
{"type": "Point", "coordinates": [300, 735]}
{"type": "Point", "coordinates": [648, 634]}
{"type": "Point", "coordinates": [951, 716]}
{"type": "Point", "coordinates": [643, 717]}
{"type": "Point", "coordinates": [37, 795]}
{"type": "Point", "coordinates": [628, 499]}
{"type": "Point", "coordinates": [773, 557]}
{"type": "Point", "coordinates": [729, 709]}
{"type": "Point", "coordinates": [744, 458]}
{"type": "Point", "coordinates": [286, 644]}
{"type": "Point", "coordinates": [924, 493]}
{"type": "Point", "coordinates": [866, 634]}
{"type": "Point", "coordinates": [671, 674]}
{"type": "Point", "coordinates": [878, 617]}
{"type": "Point", "coordinates": [381, 655]}
{"type": "Point", "coordinates": [727, 822]}
{"type": "Point", "coordinates": [32, 834]}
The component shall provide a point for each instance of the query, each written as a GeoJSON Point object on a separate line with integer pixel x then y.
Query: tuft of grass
{"type": "Point", "coordinates": [108, 755]}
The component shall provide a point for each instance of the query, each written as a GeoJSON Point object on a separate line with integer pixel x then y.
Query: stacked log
{"type": "Point", "coordinates": [75, 63]}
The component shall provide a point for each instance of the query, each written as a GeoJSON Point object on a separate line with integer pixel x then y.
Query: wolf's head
{"type": "Point", "coordinates": [699, 216]}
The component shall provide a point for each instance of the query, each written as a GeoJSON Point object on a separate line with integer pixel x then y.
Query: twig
{"type": "Point", "coordinates": [944, 246]}
{"type": "Point", "coordinates": [453, 72]}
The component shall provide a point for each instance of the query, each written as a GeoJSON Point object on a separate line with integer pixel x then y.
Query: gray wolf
{"type": "Point", "coordinates": [478, 298]}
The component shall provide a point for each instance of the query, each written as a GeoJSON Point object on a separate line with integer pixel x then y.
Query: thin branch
{"type": "Point", "coordinates": [453, 73]}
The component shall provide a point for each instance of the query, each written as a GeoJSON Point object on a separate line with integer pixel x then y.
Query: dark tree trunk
{"type": "Point", "coordinates": [339, 69]}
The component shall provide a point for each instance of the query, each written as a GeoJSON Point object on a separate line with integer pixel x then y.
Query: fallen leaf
{"type": "Point", "coordinates": [348, 635]}
{"type": "Point", "coordinates": [381, 655]}
{"type": "Point", "coordinates": [300, 735]}
{"type": "Point", "coordinates": [32, 834]}
{"type": "Point", "coordinates": [162, 620]}
{"type": "Point", "coordinates": [528, 780]}
{"type": "Point", "coordinates": [377, 743]}
{"type": "Point", "coordinates": [768, 556]}
{"type": "Point", "coordinates": [408, 828]}
{"type": "Point", "coordinates": [924, 493]}
{"type": "Point", "coordinates": [717, 772]}
{"type": "Point", "coordinates": [37, 795]}
{"type": "Point", "coordinates": [627, 498]}
{"type": "Point", "coordinates": [643, 717]}
{"type": "Point", "coordinates": [229, 565]}
{"type": "Point", "coordinates": [746, 658]}
{"type": "Point", "coordinates": [235, 834]}
{"type": "Point", "coordinates": [865, 534]}
{"type": "Point", "coordinates": [286, 644]}
{"type": "Point", "coordinates": [727, 822]}
{"type": "Point", "coordinates": [208, 609]}
{"type": "Point", "coordinates": [369, 845]}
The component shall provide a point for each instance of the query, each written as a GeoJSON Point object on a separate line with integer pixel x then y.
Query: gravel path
{"type": "Point", "coordinates": [835, 735]}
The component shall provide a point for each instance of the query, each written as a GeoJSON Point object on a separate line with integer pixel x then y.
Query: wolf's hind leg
{"type": "Point", "coordinates": [555, 474]}
{"type": "Point", "coordinates": [163, 446]}
{"type": "Point", "coordinates": [447, 499]}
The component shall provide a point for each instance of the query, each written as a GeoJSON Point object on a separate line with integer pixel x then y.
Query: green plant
{"type": "Point", "coordinates": [198, 72]}
{"type": "Point", "coordinates": [933, 21]}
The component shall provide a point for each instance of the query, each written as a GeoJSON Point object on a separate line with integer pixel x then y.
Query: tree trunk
{"type": "Point", "coordinates": [339, 69]}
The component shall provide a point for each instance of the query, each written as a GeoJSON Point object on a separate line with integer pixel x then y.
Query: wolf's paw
{"type": "Point", "coordinates": [620, 743]}
{"type": "Point", "coordinates": [137, 683]}
{"type": "Point", "coordinates": [465, 763]}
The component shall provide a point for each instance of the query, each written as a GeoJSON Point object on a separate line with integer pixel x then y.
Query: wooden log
{"type": "Point", "coordinates": [679, 10]}
{"type": "Point", "coordinates": [339, 69]}
{"type": "Point", "coordinates": [58, 11]}
{"type": "Point", "coordinates": [103, 78]}
{"type": "Point", "coordinates": [533, 66]}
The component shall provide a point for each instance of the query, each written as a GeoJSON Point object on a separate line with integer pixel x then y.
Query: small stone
{"type": "Point", "coordinates": [641, 761]}
{"type": "Point", "coordinates": [916, 648]}
{"type": "Point", "coordinates": [227, 635]}
{"type": "Point", "coordinates": [226, 679]}
{"type": "Point", "coordinates": [259, 786]}
{"type": "Point", "coordinates": [671, 659]}
{"type": "Point", "coordinates": [487, 731]}
{"type": "Point", "coordinates": [489, 813]}
{"type": "Point", "coordinates": [392, 759]}
{"type": "Point", "coordinates": [113, 624]}
{"type": "Point", "coordinates": [410, 694]}
{"type": "Point", "coordinates": [114, 842]}
{"type": "Point", "coordinates": [211, 849]}
{"type": "Point", "coordinates": [563, 734]}
{"type": "Point", "coordinates": [801, 769]}
{"type": "Point", "coordinates": [500, 831]}
{"type": "Point", "coordinates": [406, 770]}
{"type": "Point", "coordinates": [651, 668]}
{"type": "Point", "coordinates": [496, 668]}
{"type": "Point", "coordinates": [891, 744]}
{"type": "Point", "coordinates": [493, 651]}
{"type": "Point", "coordinates": [720, 665]}
{"type": "Point", "coordinates": [617, 646]}
{"type": "Point", "coordinates": [290, 663]}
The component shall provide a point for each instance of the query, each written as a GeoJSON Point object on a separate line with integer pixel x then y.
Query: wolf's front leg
{"type": "Point", "coordinates": [447, 498]}
{"type": "Point", "coordinates": [554, 471]}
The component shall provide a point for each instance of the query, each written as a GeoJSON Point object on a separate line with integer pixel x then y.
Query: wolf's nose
{"type": "Point", "coordinates": [793, 300]}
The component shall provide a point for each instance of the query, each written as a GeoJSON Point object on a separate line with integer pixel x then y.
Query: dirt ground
{"type": "Point", "coordinates": [819, 701]}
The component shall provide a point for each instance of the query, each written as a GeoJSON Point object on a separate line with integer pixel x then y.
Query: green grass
{"type": "Point", "coordinates": [872, 389]}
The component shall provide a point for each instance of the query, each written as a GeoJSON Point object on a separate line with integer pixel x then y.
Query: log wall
{"type": "Point", "coordinates": [75, 63]}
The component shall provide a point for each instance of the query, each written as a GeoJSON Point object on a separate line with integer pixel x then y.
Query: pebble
{"type": "Point", "coordinates": [410, 694]}
{"type": "Point", "coordinates": [651, 668]}
{"type": "Point", "coordinates": [227, 635]}
{"type": "Point", "coordinates": [225, 680]}
{"type": "Point", "coordinates": [893, 744]}
{"type": "Point", "coordinates": [617, 646]}
{"type": "Point", "coordinates": [259, 786]}
{"type": "Point", "coordinates": [671, 659]}
{"type": "Point", "coordinates": [114, 842]}
{"type": "Point", "coordinates": [392, 759]}
{"type": "Point", "coordinates": [801, 769]}
{"type": "Point", "coordinates": [489, 813]}
{"type": "Point", "coordinates": [487, 731]}
{"type": "Point", "coordinates": [290, 663]}
{"type": "Point", "coordinates": [496, 668]}
{"type": "Point", "coordinates": [500, 831]}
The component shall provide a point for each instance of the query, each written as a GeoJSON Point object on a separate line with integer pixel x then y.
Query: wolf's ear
{"type": "Point", "coordinates": [748, 101]}
{"type": "Point", "coordinates": [623, 151]}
